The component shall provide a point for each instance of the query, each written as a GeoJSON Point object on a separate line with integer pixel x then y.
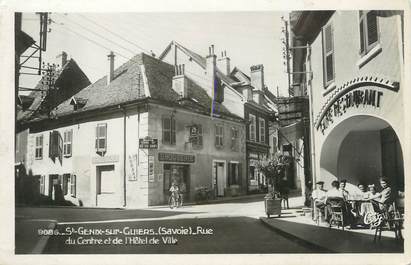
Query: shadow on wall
{"type": "Point", "coordinates": [27, 191]}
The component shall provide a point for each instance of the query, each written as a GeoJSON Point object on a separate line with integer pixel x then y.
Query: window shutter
{"type": "Point", "coordinates": [372, 28]}
{"type": "Point", "coordinates": [51, 144]}
{"type": "Point", "coordinates": [230, 174]}
{"type": "Point", "coordinates": [96, 144]}
{"type": "Point", "coordinates": [73, 185]}
{"type": "Point", "coordinates": [328, 54]}
{"type": "Point", "coordinates": [104, 148]}
{"type": "Point", "coordinates": [362, 47]}
{"type": "Point", "coordinates": [173, 130]}
{"type": "Point", "coordinates": [240, 175]}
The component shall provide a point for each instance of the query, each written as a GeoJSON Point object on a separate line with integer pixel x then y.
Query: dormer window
{"type": "Point", "coordinates": [78, 102]}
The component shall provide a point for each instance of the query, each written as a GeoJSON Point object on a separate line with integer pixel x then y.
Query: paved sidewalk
{"type": "Point", "coordinates": [333, 240]}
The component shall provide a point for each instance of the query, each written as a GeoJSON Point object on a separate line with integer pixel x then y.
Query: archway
{"type": "Point", "coordinates": [360, 149]}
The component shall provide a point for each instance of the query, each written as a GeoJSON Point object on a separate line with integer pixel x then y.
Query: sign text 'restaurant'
{"type": "Point", "coordinates": [356, 98]}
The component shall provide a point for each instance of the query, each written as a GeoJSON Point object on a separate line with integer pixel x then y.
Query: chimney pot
{"type": "Point", "coordinates": [110, 74]}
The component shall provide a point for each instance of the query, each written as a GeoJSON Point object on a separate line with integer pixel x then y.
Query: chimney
{"type": "Point", "coordinates": [110, 74]}
{"type": "Point", "coordinates": [179, 84]}
{"type": "Point", "coordinates": [63, 58]}
{"type": "Point", "coordinates": [257, 77]}
{"type": "Point", "coordinates": [210, 72]}
{"type": "Point", "coordinates": [224, 63]}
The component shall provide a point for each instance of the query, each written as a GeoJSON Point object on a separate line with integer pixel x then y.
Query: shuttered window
{"type": "Point", "coordinates": [262, 130]}
{"type": "Point", "coordinates": [67, 142]}
{"type": "Point", "coordinates": [369, 36]}
{"type": "Point", "coordinates": [328, 54]}
{"type": "Point", "coordinates": [235, 145]}
{"type": "Point", "coordinates": [56, 146]}
{"type": "Point", "coordinates": [219, 135]}
{"type": "Point", "coordinates": [39, 147]}
{"type": "Point", "coordinates": [169, 130]}
{"type": "Point", "coordinates": [252, 128]}
{"type": "Point", "coordinates": [101, 137]}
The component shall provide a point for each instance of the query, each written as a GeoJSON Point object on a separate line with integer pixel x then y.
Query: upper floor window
{"type": "Point", "coordinates": [56, 145]}
{"type": "Point", "coordinates": [196, 135]}
{"type": "Point", "coordinates": [101, 137]}
{"type": "Point", "coordinates": [328, 54]}
{"type": "Point", "coordinates": [235, 139]}
{"type": "Point", "coordinates": [67, 143]}
{"type": "Point", "coordinates": [262, 130]}
{"type": "Point", "coordinates": [252, 127]}
{"type": "Point", "coordinates": [39, 147]}
{"type": "Point", "coordinates": [219, 135]}
{"type": "Point", "coordinates": [369, 36]}
{"type": "Point", "coordinates": [169, 130]}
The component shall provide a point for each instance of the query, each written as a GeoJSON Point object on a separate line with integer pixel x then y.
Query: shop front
{"type": "Point", "coordinates": [359, 134]}
{"type": "Point", "coordinates": [257, 182]}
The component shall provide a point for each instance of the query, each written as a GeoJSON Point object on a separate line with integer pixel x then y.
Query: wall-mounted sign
{"type": "Point", "coordinates": [171, 157]}
{"type": "Point", "coordinates": [148, 143]}
{"type": "Point", "coordinates": [151, 168]}
{"type": "Point", "coordinates": [105, 159]}
{"type": "Point", "coordinates": [356, 98]}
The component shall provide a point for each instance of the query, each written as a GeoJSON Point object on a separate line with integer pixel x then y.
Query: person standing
{"type": "Point", "coordinates": [345, 193]}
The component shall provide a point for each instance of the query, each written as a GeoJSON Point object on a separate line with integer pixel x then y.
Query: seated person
{"type": "Point", "coordinates": [367, 207]}
{"type": "Point", "coordinates": [319, 196]}
{"type": "Point", "coordinates": [335, 197]}
{"type": "Point", "coordinates": [385, 196]}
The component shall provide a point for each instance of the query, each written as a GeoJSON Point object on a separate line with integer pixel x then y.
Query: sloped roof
{"type": "Point", "coordinates": [70, 79]}
{"type": "Point", "coordinates": [129, 85]}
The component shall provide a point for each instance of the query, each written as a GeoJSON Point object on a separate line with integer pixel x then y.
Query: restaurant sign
{"type": "Point", "coordinates": [172, 157]}
{"type": "Point", "coordinates": [352, 99]}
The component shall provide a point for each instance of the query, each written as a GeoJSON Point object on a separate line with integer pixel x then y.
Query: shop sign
{"type": "Point", "coordinates": [353, 99]}
{"type": "Point", "coordinates": [172, 157]}
{"type": "Point", "coordinates": [148, 143]}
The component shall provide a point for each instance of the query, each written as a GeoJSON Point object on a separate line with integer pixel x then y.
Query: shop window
{"type": "Point", "coordinates": [101, 137]}
{"type": "Point", "coordinates": [328, 54]}
{"type": "Point", "coordinates": [73, 185]}
{"type": "Point", "coordinates": [55, 145]}
{"type": "Point", "coordinates": [233, 174]}
{"type": "Point", "coordinates": [369, 36]}
{"type": "Point", "coordinates": [235, 145]}
{"type": "Point", "coordinates": [169, 130]}
{"type": "Point", "coordinates": [39, 147]}
{"type": "Point", "coordinates": [67, 142]}
{"type": "Point", "coordinates": [262, 130]}
{"type": "Point", "coordinates": [219, 135]}
{"type": "Point", "coordinates": [252, 127]}
{"type": "Point", "coordinates": [252, 172]}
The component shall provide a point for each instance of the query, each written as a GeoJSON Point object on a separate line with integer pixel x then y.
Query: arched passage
{"type": "Point", "coordinates": [361, 149]}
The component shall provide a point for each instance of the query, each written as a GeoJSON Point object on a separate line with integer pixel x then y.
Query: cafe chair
{"type": "Point", "coordinates": [391, 220]}
{"type": "Point", "coordinates": [335, 207]}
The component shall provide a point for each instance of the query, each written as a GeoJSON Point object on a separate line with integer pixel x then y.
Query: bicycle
{"type": "Point", "coordinates": [174, 202]}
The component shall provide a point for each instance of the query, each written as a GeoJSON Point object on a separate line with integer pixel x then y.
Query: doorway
{"type": "Point", "coordinates": [219, 177]}
{"type": "Point", "coordinates": [106, 187]}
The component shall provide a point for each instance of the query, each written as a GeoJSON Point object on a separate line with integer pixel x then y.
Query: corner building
{"type": "Point", "coordinates": [356, 92]}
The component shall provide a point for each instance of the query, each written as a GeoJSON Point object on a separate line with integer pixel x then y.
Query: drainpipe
{"type": "Point", "coordinates": [309, 85]}
{"type": "Point", "coordinates": [124, 155]}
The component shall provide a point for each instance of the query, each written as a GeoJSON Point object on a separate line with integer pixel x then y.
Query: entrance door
{"type": "Point", "coordinates": [220, 179]}
{"type": "Point", "coordinates": [107, 195]}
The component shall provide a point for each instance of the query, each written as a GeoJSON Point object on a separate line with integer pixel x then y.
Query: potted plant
{"type": "Point", "coordinates": [274, 170]}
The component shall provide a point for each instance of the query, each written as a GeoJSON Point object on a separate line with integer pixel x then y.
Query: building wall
{"type": "Point", "coordinates": [201, 170]}
{"type": "Point", "coordinates": [386, 65]}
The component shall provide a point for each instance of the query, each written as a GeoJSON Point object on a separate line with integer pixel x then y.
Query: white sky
{"type": "Point", "coordinates": [248, 37]}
